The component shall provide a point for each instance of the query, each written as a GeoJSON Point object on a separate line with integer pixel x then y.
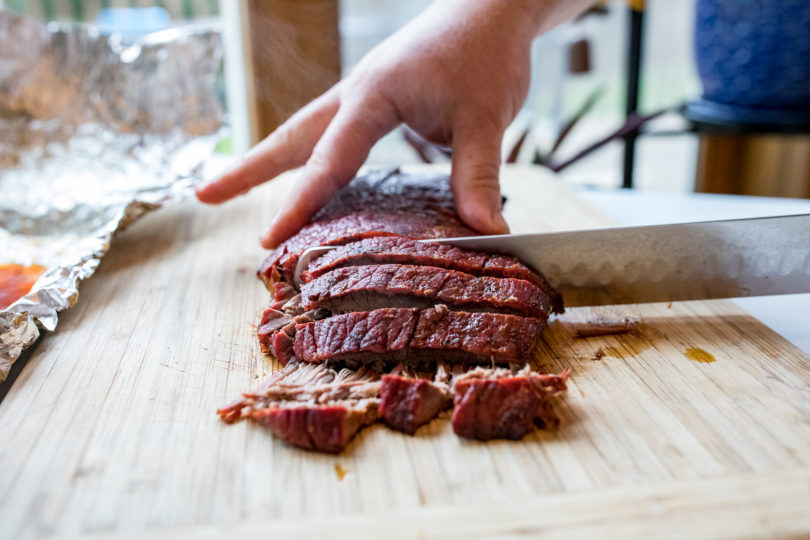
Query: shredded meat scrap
{"type": "Point", "coordinates": [389, 329]}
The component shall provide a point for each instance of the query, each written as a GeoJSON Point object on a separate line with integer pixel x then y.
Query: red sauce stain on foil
{"type": "Point", "coordinates": [16, 281]}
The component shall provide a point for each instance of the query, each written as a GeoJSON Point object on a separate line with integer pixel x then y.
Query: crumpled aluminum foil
{"type": "Point", "coordinates": [94, 132]}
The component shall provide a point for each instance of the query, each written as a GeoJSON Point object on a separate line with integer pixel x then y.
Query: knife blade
{"type": "Point", "coordinates": [658, 263]}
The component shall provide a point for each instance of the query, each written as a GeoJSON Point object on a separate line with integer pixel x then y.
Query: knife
{"type": "Point", "coordinates": [658, 263]}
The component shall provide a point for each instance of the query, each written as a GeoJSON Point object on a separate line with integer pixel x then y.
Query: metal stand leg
{"type": "Point", "coordinates": [631, 104]}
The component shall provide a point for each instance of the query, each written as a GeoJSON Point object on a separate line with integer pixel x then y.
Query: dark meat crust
{"type": "Point", "coordinates": [364, 288]}
{"type": "Point", "coordinates": [418, 337]}
{"type": "Point", "coordinates": [407, 403]}
{"type": "Point", "coordinates": [379, 204]}
{"type": "Point", "coordinates": [496, 404]}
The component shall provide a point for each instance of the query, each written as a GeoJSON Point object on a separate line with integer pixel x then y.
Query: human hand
{"type": "Point", "coordinates": [457, 75]}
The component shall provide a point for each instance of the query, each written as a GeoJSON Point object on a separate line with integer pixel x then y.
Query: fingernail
{"type": "Point", "coordinates": [264, 240]}
{"type": "Point", "coordinates": [267, 237]}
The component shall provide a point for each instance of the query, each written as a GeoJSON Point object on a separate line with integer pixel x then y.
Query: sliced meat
{"type": "Point", "coordinates": [407, 403]}
{"type": "Point", "coordinates": [355, 338]}
{"type": "Point", "coordinates": [390, 282]}
{"type": "Point", "coordinates": [418, 337]}
{"type": "Point", "coordinates": [318, 408]}
{"type": "Point", "coordinates": [365, 288]}
{"type": "Point", "coordinates": [283, 293]}
{"type": "Point", "coordinates": [500, 404]}
{"type": "Point", "coordinates": [272, 321]}
{"type": "Point", "coordinates": [474, 337]}
{"type": "Point", "coordinates": [276, 331]}
{"type": "Point", "coordinates": [325, 428]}
{"type": "Point", "coordinates": [312, 407]}
{"type": "Point", "coordinates": [379, 204]}
{"type": "Point", "coordinates": [401, 250]}
{"type": "Point", "coordinates": [282, 344]}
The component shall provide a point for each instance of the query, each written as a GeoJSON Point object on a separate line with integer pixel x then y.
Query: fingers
{"type": "Point", "coordinates": [287, 147]}
{"type": "Point", "coordinates": [474, 178]}
{"type": "Point", "coordinates": [334, 162]}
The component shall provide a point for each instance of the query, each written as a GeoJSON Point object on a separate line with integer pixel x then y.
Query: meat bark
{"type": "Point", "coordinates": [388, 336]}
{"type": "Point", "coordinates": [365, 288]}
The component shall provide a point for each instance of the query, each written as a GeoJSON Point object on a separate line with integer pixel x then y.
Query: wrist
{"type": "Point", "coordinates": [525, 18]}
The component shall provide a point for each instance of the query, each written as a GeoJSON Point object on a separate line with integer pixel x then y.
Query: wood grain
{"type": "Point", "coordinates": [294, 48]}
{"type": "Point", "coordinates": [110, 428]}
{"type": "Point", "coordinates": [763, 165]}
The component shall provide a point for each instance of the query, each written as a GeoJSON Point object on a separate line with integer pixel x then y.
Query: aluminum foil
{"type": "Point", "coordinates": [94, 132]}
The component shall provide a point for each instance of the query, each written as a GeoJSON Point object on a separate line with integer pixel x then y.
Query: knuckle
{"type": "Point", "coordinates": [482, 176]}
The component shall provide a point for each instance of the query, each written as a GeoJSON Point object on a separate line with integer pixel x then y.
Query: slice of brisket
{"type": "Point", "coordinates": [365, 288]}
{"type": "Point", "coordinates": [500, 404]}
{"type": "Point", "coordinates": [312, 406]}
{"type": "Point", "coordinates": [401, 250]}
{"type": "Point", "coordinates": [419, 337]}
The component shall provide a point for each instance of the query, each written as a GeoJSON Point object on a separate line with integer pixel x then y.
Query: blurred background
{"type": "Point", "coordinates": [706, 95]}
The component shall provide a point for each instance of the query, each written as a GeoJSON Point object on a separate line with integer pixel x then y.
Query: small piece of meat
{"type": "Point", "coordinates": [365, 288]}
{"type": "Point", "coordinates": [400, 250]}
{"type": "Point", "coordinates": [312, 407]}
{"type": "Point", "coordinates": [282, 344]}
{"type": "Point", "coordinates": [378, 204]}
{"type": "Point", "coordinates": [282, 294]}
{"type": "Point", "coordinates": [418, 337]}
{"type": "Point", "coordinates": [407, 403]}
{"type": "Point", "coordinates": [277, 330]}
{"type": "Point", "coordinates": [606, 327]}
{"type": "Point", "coordinates": [272, 321]}
{"type": "Point", "coordinates": [499, 404]}
{"type": "Point", "coordinates": [323, 428]}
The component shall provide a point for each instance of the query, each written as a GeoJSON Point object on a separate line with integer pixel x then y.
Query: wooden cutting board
{"type": "Point", "coordinates": [111, 426]}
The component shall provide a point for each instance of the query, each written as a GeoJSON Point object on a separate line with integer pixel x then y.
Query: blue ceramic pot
{"type": "Point", "coordinates": [754, 53]}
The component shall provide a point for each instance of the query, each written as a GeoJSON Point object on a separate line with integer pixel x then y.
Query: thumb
{"type": "Point", "coordinates": [474, 179]}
